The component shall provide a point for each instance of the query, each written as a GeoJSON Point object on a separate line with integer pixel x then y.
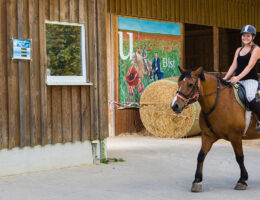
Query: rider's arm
{"type": "Point", "coordinates": [254, 57]}
{"type": "Point", "coordinates": [233, 66]}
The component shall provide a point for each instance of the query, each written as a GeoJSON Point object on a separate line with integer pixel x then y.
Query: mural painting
{"type": "Point", "coordinates": [148, 51]}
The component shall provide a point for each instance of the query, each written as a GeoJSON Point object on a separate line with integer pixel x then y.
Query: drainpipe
{"type": "Point", "coordinates": [112, 77]}
{"type": "Point", "coordinates": [94, 151]}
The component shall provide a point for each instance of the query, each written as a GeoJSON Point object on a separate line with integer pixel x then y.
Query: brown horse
{"type": "Point", "coordinates": [221, 117]}
{"type": "Point", "coordinates": [143, 69]}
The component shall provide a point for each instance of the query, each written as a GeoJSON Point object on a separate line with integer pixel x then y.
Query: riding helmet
{"type": "Point", "coordinates": [248, 29]}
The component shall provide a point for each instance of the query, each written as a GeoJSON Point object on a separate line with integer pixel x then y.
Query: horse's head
{"type": "Point", "coordinates": [188, 91]}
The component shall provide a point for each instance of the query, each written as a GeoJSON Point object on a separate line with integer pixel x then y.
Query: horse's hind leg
{"type": "Point", "coordinates": [237, 146]}
{"type": "Point", "coordinates": [207, 142]}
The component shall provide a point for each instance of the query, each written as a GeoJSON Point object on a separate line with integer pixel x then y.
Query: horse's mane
{"type": "Point", "coordinates": [187, 73]}
{"type": "Point", "coordinates": [222, 81]}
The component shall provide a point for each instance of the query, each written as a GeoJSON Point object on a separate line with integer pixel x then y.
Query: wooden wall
{"type": "Point", "coordinates": [221, 13]}
{"type": "Point", "coordinates": [32, 113]}
{"type": "Point", "coordinates": [128, 121]}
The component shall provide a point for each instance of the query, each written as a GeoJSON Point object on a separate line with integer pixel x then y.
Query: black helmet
{"type": "Point", "coordinates": [248, 29]}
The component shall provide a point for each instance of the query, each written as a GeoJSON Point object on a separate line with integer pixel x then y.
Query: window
{"type": "Point", "coordinates": [66, 57]}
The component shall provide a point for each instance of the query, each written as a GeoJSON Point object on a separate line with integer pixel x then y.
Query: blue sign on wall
{"type": "Point", "coordinates": [21, 49]}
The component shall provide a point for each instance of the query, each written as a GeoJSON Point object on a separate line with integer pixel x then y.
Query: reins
{"type": "Point", "coordinates": [207, 95]}
{"type": "Point", "coordinates": [205, 115]}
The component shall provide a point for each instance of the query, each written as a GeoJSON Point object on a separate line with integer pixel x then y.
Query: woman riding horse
{"type": "Point", "coordinates": [219, 120]}
{"type": "Point", "coordinates": [244, 66]}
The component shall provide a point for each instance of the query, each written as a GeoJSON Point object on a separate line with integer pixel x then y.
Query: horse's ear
{"type": "Point", "coordinates": [197, 71]}
{"type": "Point", "coordinates": [182, 70]}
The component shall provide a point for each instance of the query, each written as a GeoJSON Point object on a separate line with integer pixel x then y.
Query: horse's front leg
{"type": "Point", "coordinates": [207, 142]}
{"type": "Point", "coordinates": [238, 149]}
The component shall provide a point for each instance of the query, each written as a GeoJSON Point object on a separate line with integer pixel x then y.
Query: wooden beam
{"type": "Point", "coordinates": [85, 91]}
{"type": "Point", "coordinates": [56, 91]}
{"type": "Point", "coordinates": [13, 98]}
{"type": "Point", "coordinates": [21, 77]}
{"type": "Point", "coordinates": [182, 45]}
{"type": "Point", "coordinates": [216, 48]}
{"type": "Point", "coordinates": [102, 68]}
{"type": "Point", "coordinates": [3, 78]}
{"type": "Point", "coordinates": [66, 117]}
{"type": "Point", "coordinates": [199, 32]}
{"type": "Point", "coordinates": [35, 105]}
{"type": "Point", "coordinates": [92, 55]}
{"type": "Point", "coordinates": [42, 43]}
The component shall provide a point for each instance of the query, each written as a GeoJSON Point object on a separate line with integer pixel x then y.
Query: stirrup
{"type": "Point", "coordinates": [258, 126]}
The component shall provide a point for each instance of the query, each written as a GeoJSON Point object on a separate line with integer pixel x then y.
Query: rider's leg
{"type": "Point", "coordinates": [254, 103]}
{"type": "Point", "coordinates": [255, 107]}
{"type": "Point", "coordinates": [155, 72]}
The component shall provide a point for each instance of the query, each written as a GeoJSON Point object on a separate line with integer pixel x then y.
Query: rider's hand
{"type": "Point", "coordinates": [234, 79]}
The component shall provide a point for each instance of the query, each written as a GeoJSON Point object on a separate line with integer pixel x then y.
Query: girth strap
{"type": "Point", "coordinates": [205, 115]}
{"type": "Point", "coordinates": [208, 123]}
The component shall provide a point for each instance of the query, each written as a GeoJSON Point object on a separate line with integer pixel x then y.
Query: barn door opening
{"type": "Point", "coordinates": [199, 47]}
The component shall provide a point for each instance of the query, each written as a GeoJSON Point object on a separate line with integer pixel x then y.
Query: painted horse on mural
{"type": "Point", "coordinates": [144, 66]}
{"type": "Point", "coordinates": [218, 119]}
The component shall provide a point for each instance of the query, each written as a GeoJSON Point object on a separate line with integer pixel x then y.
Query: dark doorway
{"type": "Point", "coordinates": [199, 46]}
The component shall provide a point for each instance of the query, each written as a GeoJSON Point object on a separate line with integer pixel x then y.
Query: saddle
{"type": "Point", "coordinates": [240, 94]}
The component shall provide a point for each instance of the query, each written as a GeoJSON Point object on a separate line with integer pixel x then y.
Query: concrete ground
{"type": "Point", "coordinates": [154, 169]}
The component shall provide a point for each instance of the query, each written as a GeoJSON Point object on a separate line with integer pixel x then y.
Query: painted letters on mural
{"type": "Point", "coordinates": [148, 51]}
{"type": "Point", "coordinates": [121, 53]}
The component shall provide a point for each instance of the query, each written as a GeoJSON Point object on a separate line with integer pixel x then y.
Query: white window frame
{"type": "Point", "coordinates": [70, 80]}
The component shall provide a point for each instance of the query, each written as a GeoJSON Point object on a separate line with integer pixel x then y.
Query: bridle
{"type": "Point", "coordinates": [193, 96]}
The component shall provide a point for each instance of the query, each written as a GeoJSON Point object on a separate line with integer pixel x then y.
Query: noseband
{"type": "Point", "coordinates": [193, 96]}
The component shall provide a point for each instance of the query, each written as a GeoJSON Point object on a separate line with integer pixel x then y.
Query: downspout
{"type": "Point", "coordinates": [112, 77]}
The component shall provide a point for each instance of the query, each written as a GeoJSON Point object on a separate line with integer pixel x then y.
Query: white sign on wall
{"type": "Point", "coordinates": [21, 49]}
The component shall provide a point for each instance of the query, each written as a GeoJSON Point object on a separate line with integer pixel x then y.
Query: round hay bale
{"type": "Point", "coordinates": [158, 117]}
{"type": "Point", "coordinates": [174, 78]}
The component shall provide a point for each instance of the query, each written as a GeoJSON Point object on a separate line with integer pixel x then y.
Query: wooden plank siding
{"type": "Point", "coordinates": [219, 13]}
{"type": "Point", "coordinates": [12, 77]}
{"type": "Point", "coordinates": [128, 121]}
{"type": "Point", "coordinates": [33, 113]}
{"type": "Point", "coordinates": [4, 118]}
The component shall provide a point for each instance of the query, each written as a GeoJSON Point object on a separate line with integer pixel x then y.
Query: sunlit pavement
{"type": "Point", "coordinates": [153, 168]}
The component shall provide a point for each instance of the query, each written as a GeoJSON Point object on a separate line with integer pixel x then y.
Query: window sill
{"type": "Point", "coordinates": [68, 83]}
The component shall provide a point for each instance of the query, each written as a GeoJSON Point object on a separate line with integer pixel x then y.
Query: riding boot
{"type": "Point", "coordinates": [254, 106]}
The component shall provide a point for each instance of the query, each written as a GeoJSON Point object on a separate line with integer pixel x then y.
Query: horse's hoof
{"type": "Point", "coordinates": [196, 187]}
{"type": "Point", "coordinates": [240, 186]}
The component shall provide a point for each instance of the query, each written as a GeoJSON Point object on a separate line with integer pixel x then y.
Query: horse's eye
{"type": "Point", "coordinates": [190, 85]}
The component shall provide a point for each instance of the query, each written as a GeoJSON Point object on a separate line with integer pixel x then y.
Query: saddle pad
{"type": "Point", "coordinates": [248, 115]}
{"type": "Point", "coordinates": [235, 87]}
